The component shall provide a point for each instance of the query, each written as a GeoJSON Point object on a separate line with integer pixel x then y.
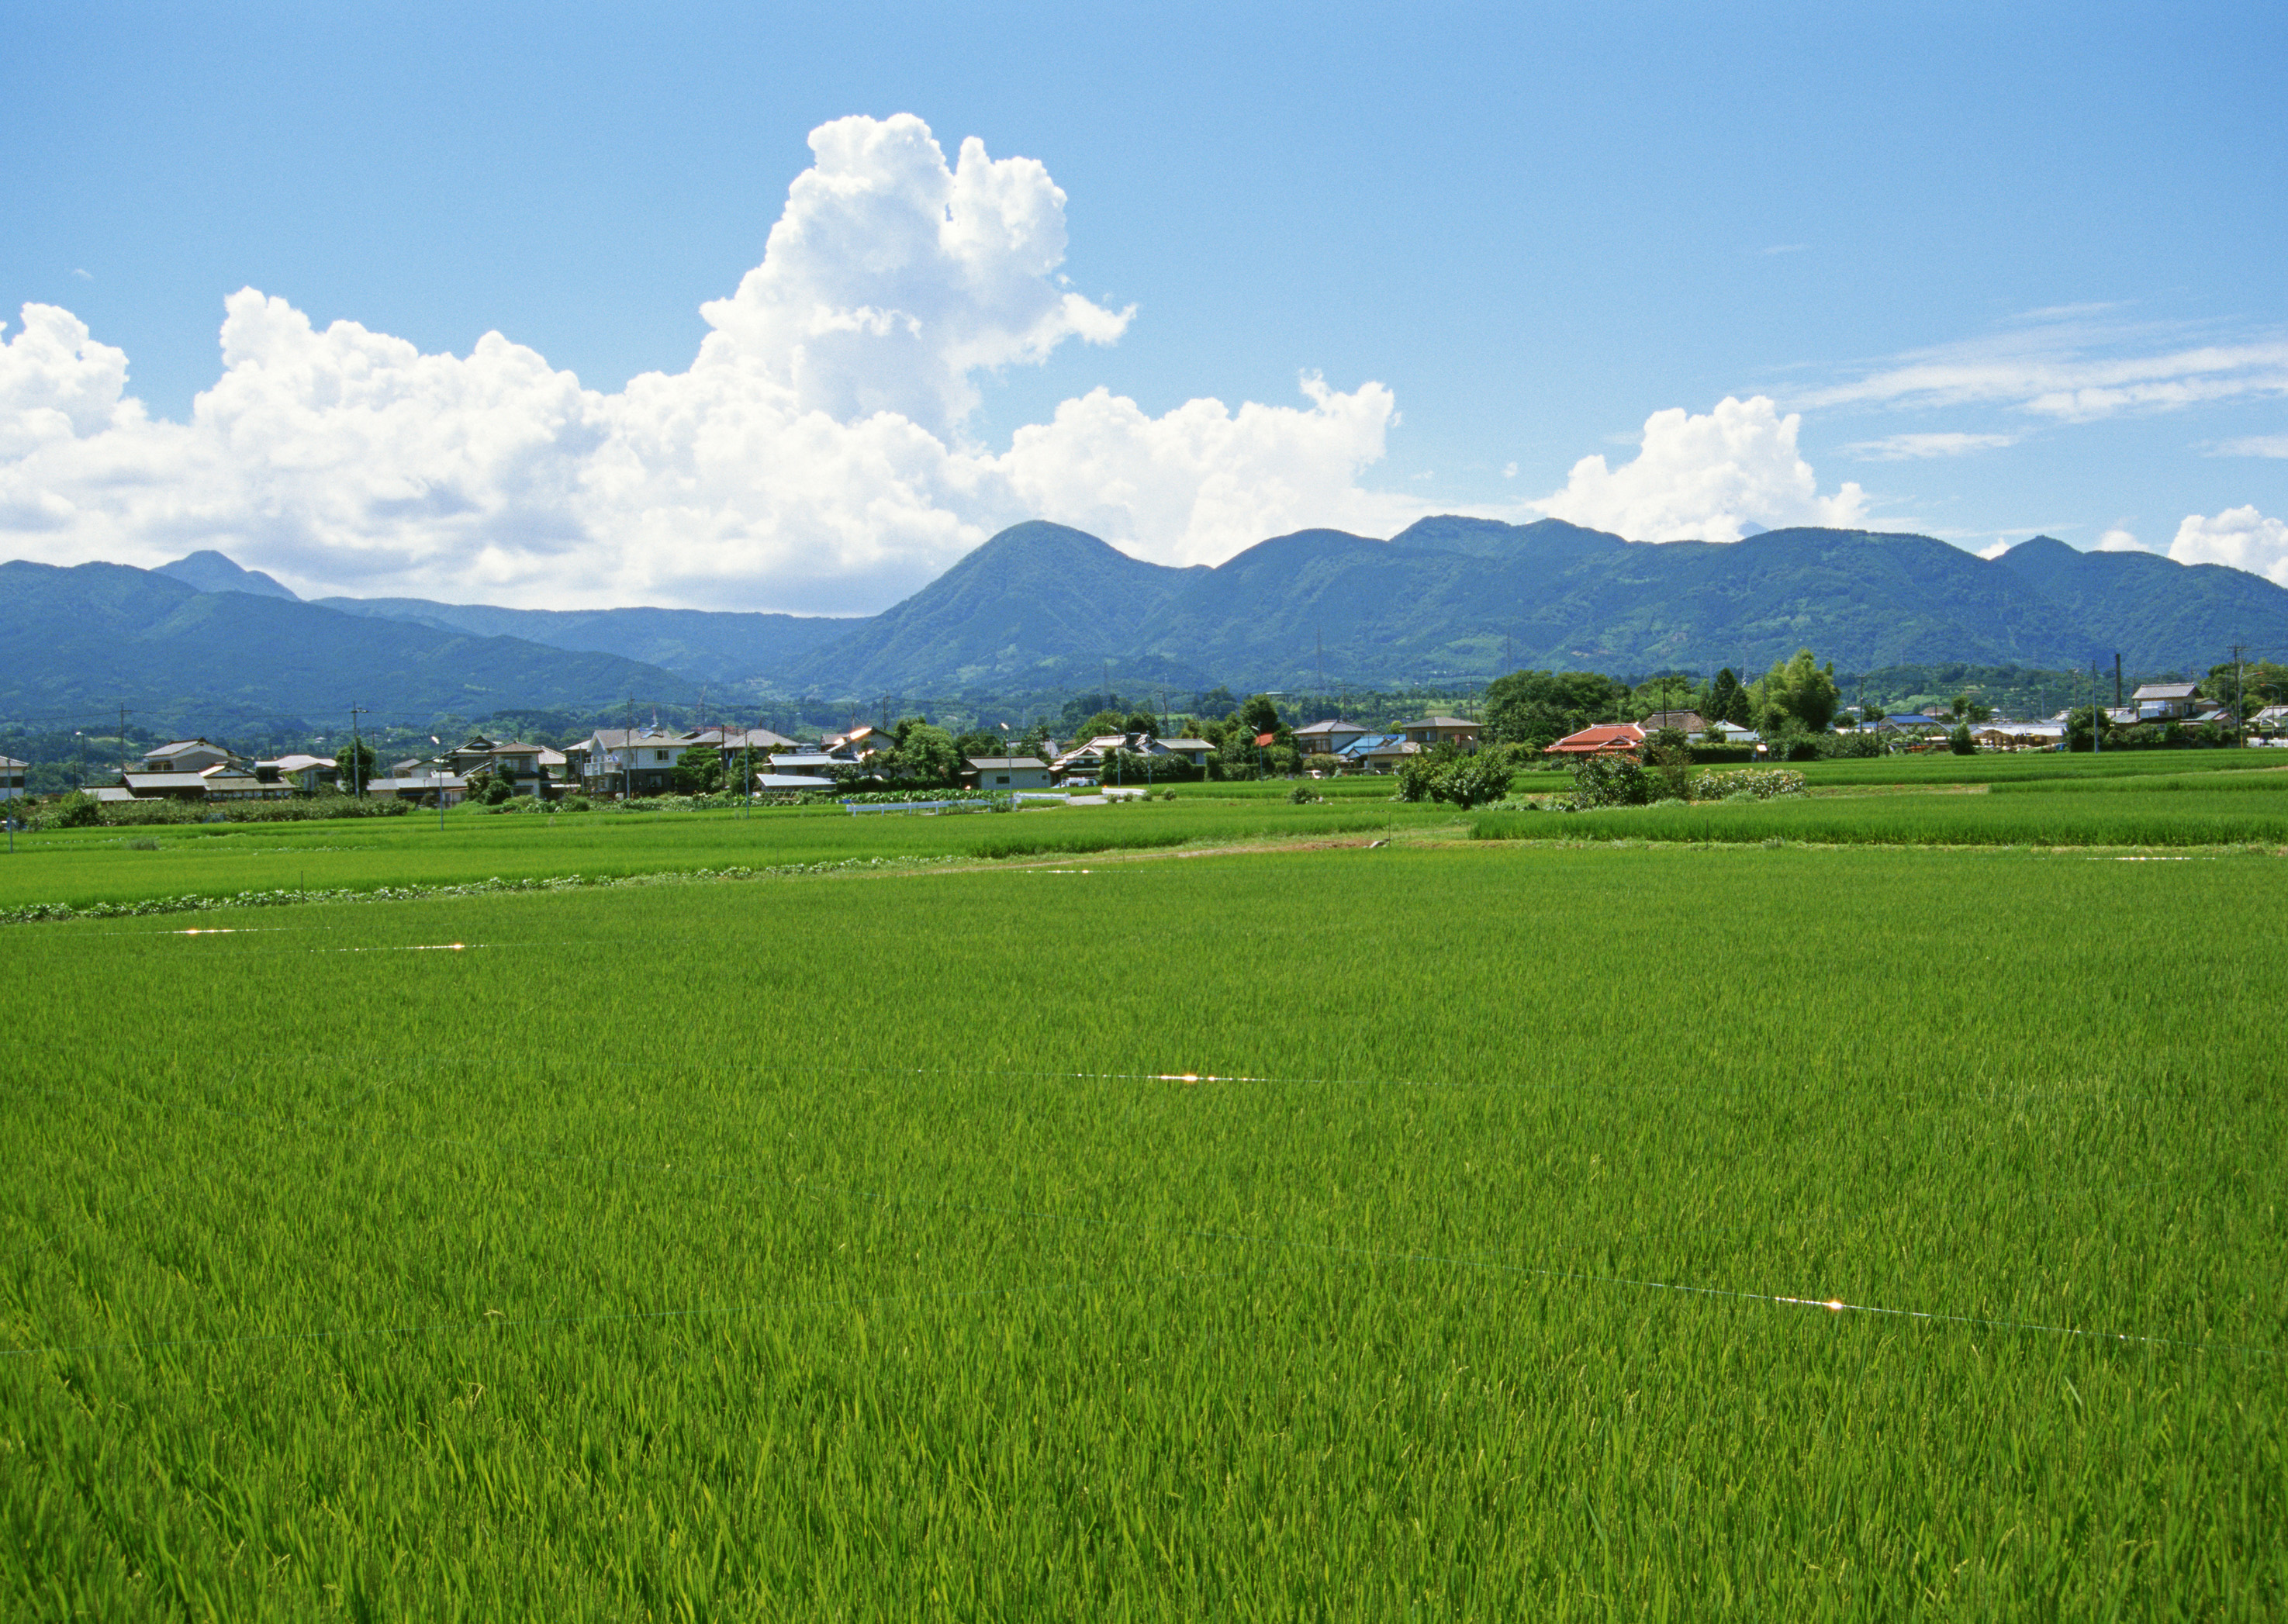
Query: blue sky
{"type": "Point", "coordinates": [2016, 269]}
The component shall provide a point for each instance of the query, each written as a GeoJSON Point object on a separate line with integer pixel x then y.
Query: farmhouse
{"type": "Point", "coordinates": [1615, 738]}
{"type": "Point", "coordinates": [1331, 738]}
{"type": "Point", "coordinates": [2166, 701]}
{"type": "Point", "coordinates": [518, 763]}
{"type": "Point", "coordinates": [1006, 772]}
{"type": "Point", "coordinates": [1441, 730]}
{"type": "Point", "coordinates": [191, 756]}
{"type": "Point", "coordinates": [303, 772]}
{"type": "Point", "coordinates": [12, 778]}
{"type": "Point", "coordinates": [1686, 721]}
{"type": "Point", "coordinates": [630, 761]}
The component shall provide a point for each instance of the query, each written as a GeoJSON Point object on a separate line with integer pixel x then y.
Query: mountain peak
{"type": "Point", "coordinates": [209, 571]}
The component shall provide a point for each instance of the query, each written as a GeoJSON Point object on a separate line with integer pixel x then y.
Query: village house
{"type": "Point", "coordinates": [12, 778]}
{"type": "Point", "coordinates": [428, 786]}
{"type": "Point", "coordinates": [1615, 738]}
{"type": "Point", "coordinates": [1006, 772]}
{"type": "Point", "coordinates": [1383, 752]}
{"type": "Point", "coordinates": [303, 772]}
{"type": "Point", "coordinates": [1441, 730]}
{"type": "Point", "coordinates": [1685, 721]}
{"type": "Point", "coordinates": [165, 786]}
{"type": "Point", "coordinates": [623, 761]}
{"type": "Point", "coordinates": [1331, 738]}
{"type": "Point", "coordinates": [191, 756]}
{"type": "Point", "coordinates": [2166, 701]}
{"type": "Point", "coordinates": [517, 764]}
{"type": "Point", "coordinates": [739, 746]}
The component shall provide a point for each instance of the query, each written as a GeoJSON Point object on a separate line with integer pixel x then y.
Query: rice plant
{"type": "Point", "coordinates": [1483, 1231]}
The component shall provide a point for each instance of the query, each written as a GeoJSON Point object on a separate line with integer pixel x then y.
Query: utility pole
{"type": "Point", "coordinates": [2239, 698]}
{"type": "Point", "coordinates": [2096, 714]}
{"type": "Point", "coordinates": [122, 744]}
{"type": "Point", "coordinates": [627, 754]}
{"type": "Point", "coordinates": [2116, 676]}
{"type": "Point", "coordinates": [357, 754]}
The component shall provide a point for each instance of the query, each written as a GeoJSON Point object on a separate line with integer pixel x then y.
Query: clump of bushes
{"type": "Point", "coordinates": [134, 814]}
{"type": "Point", "coordinates": [1621, 781]}
{"type": "Point", "coordinates": [1457, 780]}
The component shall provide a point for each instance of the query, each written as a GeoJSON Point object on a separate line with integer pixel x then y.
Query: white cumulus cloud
{"type": "Point", "coordinates": [1714, 477]}
{"type": "Point", "coordinates": [811, 458]}
{"type": "Point", "coordinates": [2241, 536]}
{"type": "Point", "coordinates": [2119, 541]}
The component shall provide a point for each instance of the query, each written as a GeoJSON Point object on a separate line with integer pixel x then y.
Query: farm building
{"type": "Point", "coordinates": [1616, 739]}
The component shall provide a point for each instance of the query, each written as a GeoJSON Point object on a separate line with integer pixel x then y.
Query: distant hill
{"type": "Point", "coordinates": [86, 638]}
{"type": "Point", "coordinates": [703, 645]}
{"type": "Point", "coordinates": [1039, 606]}
{"type": "Point", "coordinates": [209, 571]}
{"type": "Point", "coordinates": [1462, 598]}
{"type": "Point", "coordinates": [1042, 608]}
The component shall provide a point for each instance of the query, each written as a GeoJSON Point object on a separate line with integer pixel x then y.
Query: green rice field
{"type": "Point", "coordinates": [1236, 1220]}
{"type": "Point", "coordinates": [77, 867]}
{"type": "Point", "coordinates": [2130, 813]}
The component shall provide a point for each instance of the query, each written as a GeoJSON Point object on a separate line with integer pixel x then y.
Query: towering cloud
{"type": "Point", "coordinates": [2242, 537]}
{"type": "Point", "coordinates": [812, 457]}
{"type": "Point", "coordinates": [1714, 478]}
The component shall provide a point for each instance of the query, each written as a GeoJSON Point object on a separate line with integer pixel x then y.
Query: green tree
{"type": "Point", "coordinates": [1535, 708]}
{"type": "Point", "coordinates": [76, 811]}
{"type": "Point", "coordinates": [699, 770]}
{"type": "Point", "coordinates": [1801, 688]}
{"type": "Point", "coordinates": [1960, 741]}
{"type": "Point", "coordinates": [1968, 710]}
{"type": "Point", "coordinates": [1668, 760]}
{"type": "Point", "coordinates": [1728, 700]}
{"type": "Point", "coordinates": [353, 766]}
{"type": "Point", "coordinates": [1474, 779]}
{"type": "Point", "coordinates": [2078, 730]}
{"type": "Point", "coordinates": [1260, 713]}
{"type": "Point", "coordinates": [927, 752]}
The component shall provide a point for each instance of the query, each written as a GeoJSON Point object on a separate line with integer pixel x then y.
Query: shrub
{"type": "Point", "coordinates": [1609, 780]}
{"type": "Point", "coordinates": [129, 814]}
{"type": "Point", "coordinates": [1758, 784]}
{"type": "Point", "coordinates": [1302, 795]}
{"type": "Point", "coordinates": [1474, 779]}
{"type": "Point", "coordinates": [1849, 747]}
{"type": "Point", "coordinates": [1960, 741]}
{"type": "Point", "coordinates": [75, 810]}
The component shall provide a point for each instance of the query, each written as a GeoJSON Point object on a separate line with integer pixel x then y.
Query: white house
{"type": "Point", "coordinates": [12, 778]}
{"type": "Point", "coordinates": [1329, 738]}
{"type": "Point", "coordinates": [1007, 773]}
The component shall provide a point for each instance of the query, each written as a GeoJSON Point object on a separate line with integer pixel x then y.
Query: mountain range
{"type": "Point", "coordinates": [1042, 607]}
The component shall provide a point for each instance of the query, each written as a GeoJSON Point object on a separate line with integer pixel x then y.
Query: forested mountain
{"type": "Point", "coordinates": [1456, 599]}
{"type": "Point", "coordinates": [84, 639]}
{"type": "Point", "coordinates": [1036, 607]}
{"type": "Point", "coordinates": [1042, 607]}
{"type": "Point", "coordinates": [706, 646]}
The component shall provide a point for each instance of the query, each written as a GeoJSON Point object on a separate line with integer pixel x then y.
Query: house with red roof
{"type": "Point", "coordinates": [1615, 738]}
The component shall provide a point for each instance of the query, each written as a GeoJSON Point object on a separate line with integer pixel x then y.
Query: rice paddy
{"type": "Point", "coordinates": [1446, 1229]}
